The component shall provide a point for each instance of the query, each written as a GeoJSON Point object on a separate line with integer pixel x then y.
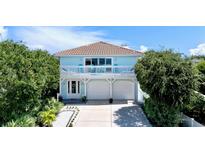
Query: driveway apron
{"type": "Point", "coordinates": [115, 115]}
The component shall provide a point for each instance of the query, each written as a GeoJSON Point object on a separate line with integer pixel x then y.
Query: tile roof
{"type": "Point", "coordinates": [99, 48]}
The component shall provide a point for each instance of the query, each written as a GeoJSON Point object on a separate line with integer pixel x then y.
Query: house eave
{"type": "Point", "coordinates": [120, 55]}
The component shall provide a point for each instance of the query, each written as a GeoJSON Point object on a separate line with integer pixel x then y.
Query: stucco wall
{"type": "Point", "coordinates": [117, 60]}
{"type": "Point", "coordinates": [79, 61]}
{"type": "Point", "coordinates": [124, 61]}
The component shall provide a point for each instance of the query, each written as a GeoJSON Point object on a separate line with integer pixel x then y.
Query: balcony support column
{"type": "Point", "coordinates": [85, 81]}
{"type": "Point", "coordinates": [111, 81]}
{"type": "Point", "coordinates": [60, 86]}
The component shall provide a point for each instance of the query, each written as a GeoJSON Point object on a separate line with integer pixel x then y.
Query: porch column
{"type": "Point", "coordinates": [85, 81]}
{"type": "Point", "coordinates": [60, 86]}
{"type": "Point", "coordinates": [111, 81]}
{"type": "Point", "coordinates": [85, 88]}
{"type": "Point", "coordinates": [110, 89]}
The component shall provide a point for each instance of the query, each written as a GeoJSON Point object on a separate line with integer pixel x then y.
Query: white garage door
{"type": "Point", "coordinates": [98, 89]}
{"type": "Point", "coordinates": [123, 89]}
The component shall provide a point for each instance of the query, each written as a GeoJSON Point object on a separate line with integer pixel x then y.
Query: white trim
{"type": "Point", "coordinates": [70, 88]}
{"type": "Point", "coordinates": [101, 55]}
{"type": "Point", "coordinates": [60, 86]}
{"type": "Point", "coordinates": [85, 82]}
{"type": "Point", "coordinates": [70, 70]}
{"type": "Point", "coordinates": [60, 79]}
{"type": "Point", "coordinates": [100, 76]}
{"type": "Point", "coordinates": [85, 89]}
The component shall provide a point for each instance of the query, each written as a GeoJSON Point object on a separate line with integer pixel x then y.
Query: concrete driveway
{"type": "Point", "coordinates": [116, 115]}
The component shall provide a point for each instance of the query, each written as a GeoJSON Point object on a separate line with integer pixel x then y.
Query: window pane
{"type": "Point", "coordinates": [108, 61]}
{"type": "Point", "coordinates": [94, 61]}
{"type": "Point", "coordinates": [74, 87]}
{"type": "Point", "coordinates": [102, 61]}
{"type": "Point", "coordinates": [87, 61]}
{"type": "Point", "coordinates": [78, 86]}
{"type": "Point", "coordinates": [68, 86]}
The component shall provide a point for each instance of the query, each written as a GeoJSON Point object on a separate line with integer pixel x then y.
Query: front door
{"type": "Point", "coordinates": [73, 89]}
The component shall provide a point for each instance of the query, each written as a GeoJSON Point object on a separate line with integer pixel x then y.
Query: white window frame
{"type": "Point", "coordinates": [70, 87]}
{"type": "Point", "coordinates": [98, 61]}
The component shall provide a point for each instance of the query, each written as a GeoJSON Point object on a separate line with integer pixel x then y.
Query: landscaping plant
{"type": "Point", "coordinates": [46, 118]}
{"type": "Point", "coordinates": [52, 104]}
{"type": "Point", "coordinates": [169, 80]}
{"type": "Point", "coordinates": [201, 72]}
{"type": "Point", "coordinates": [84, 99]}
{"type": "Point", "coordinates": [162, 114]}
{"type": "Point", "coordinates": [196, 108]}
{"type": "Point", "coordinates": [27, 78]}
{"type": "Point", "coordinates": [24, 121]}
{"type": "Point", "coordinates": [110, 100]}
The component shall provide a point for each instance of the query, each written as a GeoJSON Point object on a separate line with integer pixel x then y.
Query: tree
{"type": "Point", "coordinates": [166, 76]}
{"type": "Point", "coordinates": [201, 71]}
{"type": "Point", "coordinates": [27, 77]}
{"type": "Point", "coordinates": [170, 81]}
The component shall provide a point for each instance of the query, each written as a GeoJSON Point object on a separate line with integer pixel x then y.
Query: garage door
{"type": "Point", "coordinates": [123, 89]}
{"type": "Point", "coordinates": [98, 89]}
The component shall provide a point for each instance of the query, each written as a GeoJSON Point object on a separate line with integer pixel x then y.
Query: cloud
{"type": "Point", "coordinates": [3, 33]}
{"type": "Point", "coordinates": [199, 50]}
{"type": "Point", "coordinates": [59, 38]}
{"type": "Point", "coordinates": [143, 48]}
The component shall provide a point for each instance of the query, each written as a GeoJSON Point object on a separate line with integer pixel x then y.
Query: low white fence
{"type": "Point", "coordinates": [186, 120]}
{"type": "Point", "coordinates": [141, 95]}
{"type": "Point", "coordinates": [190, 122]}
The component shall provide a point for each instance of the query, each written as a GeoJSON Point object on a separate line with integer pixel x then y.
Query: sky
{"type": "Point", "coordinates": [184, 39]}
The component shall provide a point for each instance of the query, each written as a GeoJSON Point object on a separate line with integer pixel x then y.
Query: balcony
{"type": "Point", "coordinates": [97, 70]}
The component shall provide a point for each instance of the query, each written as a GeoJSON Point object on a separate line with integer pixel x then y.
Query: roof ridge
{"type": "Point", "coordinates": [120, 46]}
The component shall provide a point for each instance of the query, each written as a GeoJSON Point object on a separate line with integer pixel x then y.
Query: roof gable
{"type": "Point", "coordinates": [99, 48]}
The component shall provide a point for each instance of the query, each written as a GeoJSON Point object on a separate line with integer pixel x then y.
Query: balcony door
{"type": "Point", "coordinates": [73, 88]}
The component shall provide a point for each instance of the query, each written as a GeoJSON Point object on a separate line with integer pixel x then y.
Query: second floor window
{"type": "Point", "coordinates": [98, 61]}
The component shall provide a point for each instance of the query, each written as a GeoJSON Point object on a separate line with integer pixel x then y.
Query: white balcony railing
{"type": "Point", "coordinates": [97, 69]}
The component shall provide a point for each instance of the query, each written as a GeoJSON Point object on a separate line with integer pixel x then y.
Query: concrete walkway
{"type": "Point", "coordinates": [116, 115]}
{"type": "Point", "coordinates": [63, 118]}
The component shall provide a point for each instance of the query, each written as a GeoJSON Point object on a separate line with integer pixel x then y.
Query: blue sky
{"type": "Point", "coordinates": [187, 40]}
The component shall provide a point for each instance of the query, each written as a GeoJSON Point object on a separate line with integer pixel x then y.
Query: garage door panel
{"type": "Point", "coordinates": [98, 89]}
{"type": "Point", "coordinates": [123, 89]}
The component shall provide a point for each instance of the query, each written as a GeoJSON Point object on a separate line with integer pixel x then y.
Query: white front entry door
{"type": "Point", "coordinates": [73, 89]}
{"type": "Point", "coordinates": [98, 89]}
{"type": "Point", "coordinates": [123, 89]}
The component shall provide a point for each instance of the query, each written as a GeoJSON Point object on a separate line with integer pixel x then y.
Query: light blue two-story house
{"type": "Point", "coordinates": [99, 71]}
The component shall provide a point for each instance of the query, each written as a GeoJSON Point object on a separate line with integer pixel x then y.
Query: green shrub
{"type": "Point", "coordinates": [201, 72]}
{"type": "Point", "coordinates": [84, 99]}
{"type": "Point", "coordinates": [60, 98]}
{"type": "Point", "coordinates": [46, 118]}
{"type": "Point", "coordinates": [24, 121]}
{"type": "Point", "coordinates": [166, 76]}
{"type": "Point", "coordinates": [52, 104]}
{"type": "Point", "coordinates": [110, 100]}
{"type": "Point", "coordinates": [169, 79]}
{"type": "Point", "coordinates": [196, 108]}
{"type": "Point", "coordinates": [161, 114]}
{"type": "Point", "coordinates": [26, 77]}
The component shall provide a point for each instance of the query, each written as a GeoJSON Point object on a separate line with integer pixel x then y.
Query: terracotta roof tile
{"type": "Point", "coordinates": [99, 48]}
